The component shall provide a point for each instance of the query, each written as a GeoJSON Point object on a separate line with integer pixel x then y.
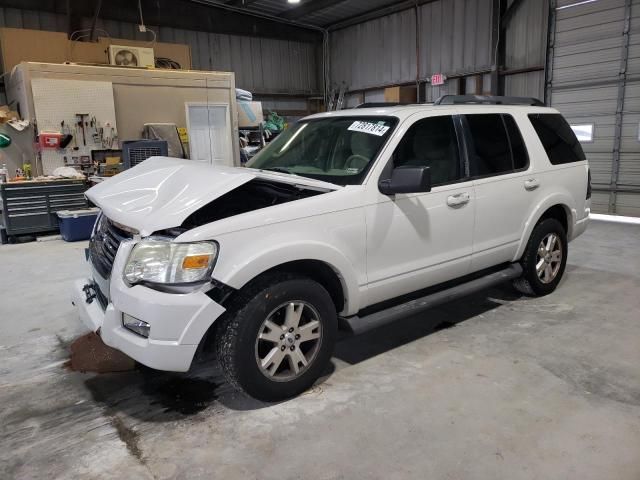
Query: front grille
{"type": "Point", "coordinates": [104, 245]}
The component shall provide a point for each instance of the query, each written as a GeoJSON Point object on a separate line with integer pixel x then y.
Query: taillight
{"type": "Point", "coordinates": [588, 184]}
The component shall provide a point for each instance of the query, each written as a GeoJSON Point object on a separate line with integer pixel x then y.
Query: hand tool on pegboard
{"type": "Point", "coordinates": [83, 124]}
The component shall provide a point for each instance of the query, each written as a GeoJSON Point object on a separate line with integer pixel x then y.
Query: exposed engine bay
{"type": "Point", "coordinates": [253, 195]}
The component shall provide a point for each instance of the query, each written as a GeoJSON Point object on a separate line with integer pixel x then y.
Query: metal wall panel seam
{"type": "Point", "coordinates": [615, 165]}
{"type": "Point", "coordinates": [551, 41]}
{"type": "Point", "coordinates": [496, 16]}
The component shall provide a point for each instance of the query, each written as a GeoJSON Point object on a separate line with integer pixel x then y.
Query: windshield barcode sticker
{"type": "Point", "coordinates": [368, 127]}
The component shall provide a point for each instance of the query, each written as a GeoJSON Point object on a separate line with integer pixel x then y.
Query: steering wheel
{"type": "Point", "coordinates": [356, 161]}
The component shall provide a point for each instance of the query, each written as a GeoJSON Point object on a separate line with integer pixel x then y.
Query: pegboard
{"type": "Point", "coordinates": [57, 100]}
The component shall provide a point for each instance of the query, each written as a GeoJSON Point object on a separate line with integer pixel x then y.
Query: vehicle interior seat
{"type": "Point", "coordinates": [363, 147]}
{"type": "Point", "coordinates": [434, 148]}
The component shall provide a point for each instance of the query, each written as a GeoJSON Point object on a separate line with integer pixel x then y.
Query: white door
{"type": "Point", "coordinates": [209, 127]}
{"type": "Point", "coordinates": [504, 196]}
{"type": "Point", "coordinates": [418, 240]}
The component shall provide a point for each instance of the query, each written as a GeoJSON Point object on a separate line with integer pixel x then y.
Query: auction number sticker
{"type": "Point", "coordinates": [368, 127]}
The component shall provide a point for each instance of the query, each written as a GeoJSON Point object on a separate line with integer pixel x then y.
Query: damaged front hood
{"type": "Point", "coordinates": [162, 192]}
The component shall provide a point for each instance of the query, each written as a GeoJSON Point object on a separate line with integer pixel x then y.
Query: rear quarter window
{"type": "Point", "coordinates": [557, 138]}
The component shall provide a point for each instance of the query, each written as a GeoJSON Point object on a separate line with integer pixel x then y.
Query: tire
{"type": "Point", "coordinates": [535, 283]}
{"type": "Point", "coordinates": [278, 298]}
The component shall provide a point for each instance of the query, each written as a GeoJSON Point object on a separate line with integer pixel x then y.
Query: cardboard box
{"type": "Point", "coordinates": [19, 45]}
{"type": "Point", "coordinates": [6, 114]}
{"type": "Point", "coordinates": [250, 114]}
{"type": "Point", "coordinates": [400, 94]}
{"type": "Point", "coordinates": [23, 45]}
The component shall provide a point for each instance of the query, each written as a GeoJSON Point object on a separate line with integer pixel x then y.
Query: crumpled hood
{"type": "Point", "coordinates": [162, 192]}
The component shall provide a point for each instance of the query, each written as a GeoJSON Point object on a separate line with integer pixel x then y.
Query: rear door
{"type": "Point", "coordinates": [567, 166]}
{"type": "Point", "coordinates": [500, 168]}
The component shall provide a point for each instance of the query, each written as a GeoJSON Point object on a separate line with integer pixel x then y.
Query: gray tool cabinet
{"type": "Point", "coordinates": [31, 206]}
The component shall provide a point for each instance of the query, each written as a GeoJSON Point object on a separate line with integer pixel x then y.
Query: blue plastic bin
{"type": "Point", "coordinates": [76, 225]}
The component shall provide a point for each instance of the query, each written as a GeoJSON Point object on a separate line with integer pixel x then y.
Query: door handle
{"type": "Point", "coordinates": [458, 199]}
{"type": "Point", "coordinates": [531, 184]}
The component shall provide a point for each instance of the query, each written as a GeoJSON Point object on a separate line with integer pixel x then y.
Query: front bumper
{"type": "Point", "coordinates": [178, 321]}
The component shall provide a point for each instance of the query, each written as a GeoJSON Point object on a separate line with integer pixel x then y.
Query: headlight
{"type": "Point", "coordinates": [166, 262]}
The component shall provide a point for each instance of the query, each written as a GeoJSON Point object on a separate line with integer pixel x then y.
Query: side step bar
{"type": "Point", "coordinates": [360, 325]}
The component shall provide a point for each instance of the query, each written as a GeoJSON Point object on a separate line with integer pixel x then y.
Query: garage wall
{"type": "Point", "coordinates": [595, 79]}
{"type": "Point", "coordinates": [454, 38]}
{"type": "Point", "coordinates": [262, 65]}
{"type": "Point", "coordinates": [525, 48]}
{"type": "Point", "coordinates": [375, 53]}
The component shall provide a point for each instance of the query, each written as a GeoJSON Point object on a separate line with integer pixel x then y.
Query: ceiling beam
{"type": "Point", "coordinates": [203, 15]}
{"type": "Point", "coordinates": [239, 3]}
{"type": "Point", "coordinates": [376, 13]}
{"type": "Point", "coordinates": [308, 8]}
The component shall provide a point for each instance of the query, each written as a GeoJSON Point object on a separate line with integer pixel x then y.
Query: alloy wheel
{"type": "Point", "coordinates": [549, 258]}
{"type": "Point", "coordinates": [288, 341]}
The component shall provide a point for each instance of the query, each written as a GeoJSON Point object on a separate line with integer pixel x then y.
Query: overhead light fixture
{"type": "Point", "coordinates": [576, 4]}
{"type": "Point", "coordinates": [293, 1]}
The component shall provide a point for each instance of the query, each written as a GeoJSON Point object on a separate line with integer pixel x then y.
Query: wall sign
{"type": "Point", "coordinates": [437, 79]}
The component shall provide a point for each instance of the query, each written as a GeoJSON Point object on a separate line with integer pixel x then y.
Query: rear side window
{"type": "Point", "coordinates": [557, 138]}
{"type": "Point", "coordinates": [496, 146]}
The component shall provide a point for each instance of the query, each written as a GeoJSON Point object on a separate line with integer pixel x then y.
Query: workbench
{"type": "Point", "coordinates": [30, 206]}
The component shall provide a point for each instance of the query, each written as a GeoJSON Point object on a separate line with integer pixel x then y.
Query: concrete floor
{"type": "Point", "coordinates": [495, 386]}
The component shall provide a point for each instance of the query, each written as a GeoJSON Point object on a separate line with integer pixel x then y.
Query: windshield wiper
{"type": "Point", "coordinates": [278, 169]}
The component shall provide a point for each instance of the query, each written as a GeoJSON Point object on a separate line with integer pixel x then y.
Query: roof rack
{"type": "Point", "coordinates": [487, 100]}
{"type": "Point", "coordinates": [379, 104]}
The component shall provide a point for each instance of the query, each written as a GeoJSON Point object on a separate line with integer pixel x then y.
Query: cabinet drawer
{"type": "Point", "coordinates": [28, 222]}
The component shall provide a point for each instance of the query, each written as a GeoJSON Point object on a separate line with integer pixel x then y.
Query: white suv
{"type": "Point", "coordinates": [362, 215]}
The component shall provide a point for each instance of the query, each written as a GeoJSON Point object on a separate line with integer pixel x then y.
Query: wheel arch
{"type": "Point", "coordinates": [318, 271]}
{"type": "Point", "coordinates": [320, 262]}
{"type": "Point", "coordinates": [558, 207]}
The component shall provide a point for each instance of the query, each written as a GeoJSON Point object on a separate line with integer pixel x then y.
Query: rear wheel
{"type": "Point", "coordinates": [544, 259]}
{"type": "Point", "coordinates": [277, 337]}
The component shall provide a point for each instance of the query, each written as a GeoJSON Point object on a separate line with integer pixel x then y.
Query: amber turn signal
{"type": "Point", "coordinates": [196, 261]}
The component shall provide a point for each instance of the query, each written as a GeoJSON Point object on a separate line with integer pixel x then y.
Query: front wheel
{"type": "Point", "coordinates": [277, 336]}
{"type": "Point", "coordinates": [544, 259]}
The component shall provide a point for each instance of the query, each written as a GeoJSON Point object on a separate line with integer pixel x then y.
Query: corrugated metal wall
{"type": "Point", "coordinates": [590, 85]}
{"type": "Point", "coordinates": [375, 53]}
{"type": "Point", "coordinates": [627, 199]}
{"type": "Point", "coordinates": [260, 64]}
{"type": "Point", "coordinates": [454, 38]}
{"type": "Point", "coordinates": [526, 47]}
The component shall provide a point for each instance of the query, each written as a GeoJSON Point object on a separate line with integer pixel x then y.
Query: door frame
{"type": "Point", "coordinates": [229, 128]}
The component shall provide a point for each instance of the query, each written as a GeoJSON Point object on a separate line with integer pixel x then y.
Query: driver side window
{"type": "Point", "coordinates": [431, 142]}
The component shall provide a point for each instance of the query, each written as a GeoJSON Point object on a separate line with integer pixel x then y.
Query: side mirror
{"type": "Point", "coordinates": [407, 180]}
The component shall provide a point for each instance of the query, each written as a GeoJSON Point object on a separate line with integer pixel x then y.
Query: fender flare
{"type": "Point", "coordinates": [248, 266]}
{"type": "Point", "coordinates": [558, 198]}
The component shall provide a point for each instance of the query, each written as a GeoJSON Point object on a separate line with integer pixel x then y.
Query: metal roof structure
{"type": "Point", "coordinates": [320, 13]}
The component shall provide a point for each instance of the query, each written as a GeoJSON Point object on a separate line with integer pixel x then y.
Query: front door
{"type": "Point", "coordinates": [418, 240]}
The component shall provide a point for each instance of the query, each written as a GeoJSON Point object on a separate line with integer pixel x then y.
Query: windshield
{"type": "Point", "coordinates": [339, 150]}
